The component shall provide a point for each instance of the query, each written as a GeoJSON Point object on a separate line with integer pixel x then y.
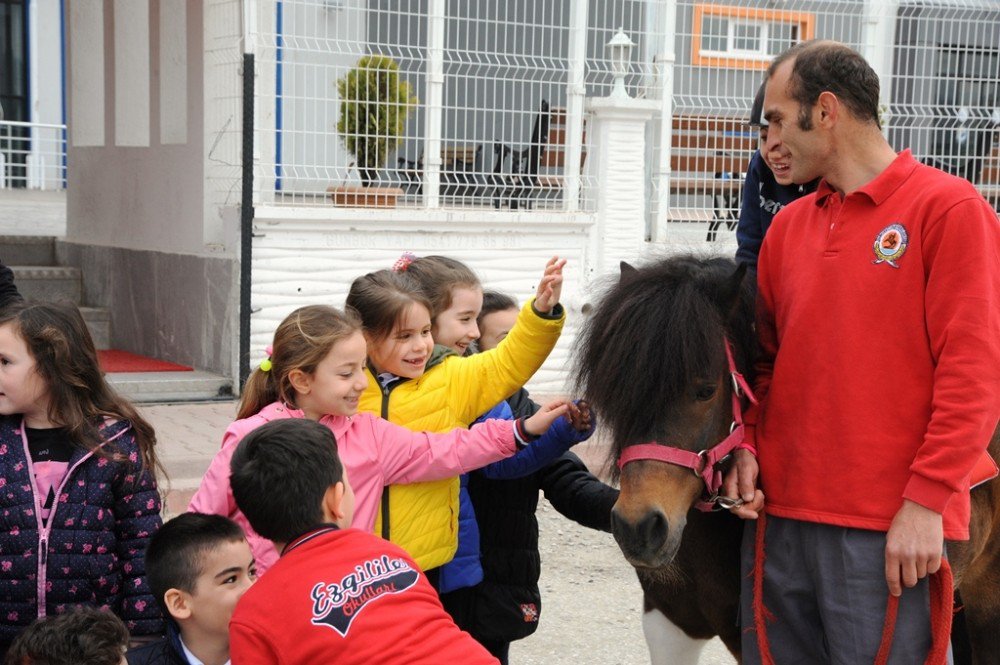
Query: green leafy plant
{"type": "Point", "coordinates": [374, 105]}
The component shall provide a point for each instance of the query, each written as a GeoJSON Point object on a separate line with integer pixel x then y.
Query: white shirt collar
{"type": "Point", "coordinates": [191, 658]}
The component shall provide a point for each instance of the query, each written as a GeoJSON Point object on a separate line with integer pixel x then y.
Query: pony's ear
{"type": "Point", "coordinates": [627, 271]}
{"type": "Point", "coordinates": [733, 287]}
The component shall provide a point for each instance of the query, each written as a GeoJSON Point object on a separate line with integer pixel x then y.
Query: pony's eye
{"type": "Point", "coordinates": [705, 392]}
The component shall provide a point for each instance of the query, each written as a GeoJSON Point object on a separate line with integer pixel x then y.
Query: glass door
{"type": "Point", "coordinates": [14, 141]}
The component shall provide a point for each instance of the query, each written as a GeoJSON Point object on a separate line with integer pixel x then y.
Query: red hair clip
{"type": "Point", "coordinates": [403, 262]}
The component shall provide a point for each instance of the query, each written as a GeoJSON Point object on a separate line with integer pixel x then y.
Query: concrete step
{"type": "Point", "coordinates": [160, 387]}
{"type": "Point", "coordinates": [98, 320]}
{"type": "Point", "coordinates": [49, 283]}
{"type": "Point", "coordinates": [28, 250]}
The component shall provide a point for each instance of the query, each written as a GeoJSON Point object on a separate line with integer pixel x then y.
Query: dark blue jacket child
{"type": "Point", "coordinates": [90, 552]}
{"type": "Point", "coordinates": [505, 605]}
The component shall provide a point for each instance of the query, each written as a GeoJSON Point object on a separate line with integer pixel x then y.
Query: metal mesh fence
{"type": "Point", "coordinates": [451, 103]}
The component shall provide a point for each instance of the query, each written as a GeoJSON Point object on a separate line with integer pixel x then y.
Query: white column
{"type": "Point", "coordinates": [619, 144]}
{"type": "Point", "coordinates": [576, 90]}
{"type": "Point", "coordinates": [664, 64]}
{"type": "Point", "coordinates": [878, 30]}
{"type": "Point", "coordinates": [434, 103]}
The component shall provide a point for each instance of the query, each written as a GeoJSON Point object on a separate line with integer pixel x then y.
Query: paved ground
{"type": "Point", "coordinates": [592, 602]}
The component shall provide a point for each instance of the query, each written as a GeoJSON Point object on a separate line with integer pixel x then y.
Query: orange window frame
{"type": "Point", "coordinates": [805, 21]}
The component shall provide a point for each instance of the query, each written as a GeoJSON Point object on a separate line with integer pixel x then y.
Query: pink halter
{"type": "Point", "coordinates": [704, 463]}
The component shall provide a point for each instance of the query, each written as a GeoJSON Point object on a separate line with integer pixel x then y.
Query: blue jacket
{"type": "Point", "coordinates": [92, 552]}
{"type": "Point", "coordinates": [465, 569]}
{"type": "Point", "coordinates": [762, 198]}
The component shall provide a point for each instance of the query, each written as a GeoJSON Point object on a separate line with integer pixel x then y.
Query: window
{"type": "Point", "coordinates": [740, 37]}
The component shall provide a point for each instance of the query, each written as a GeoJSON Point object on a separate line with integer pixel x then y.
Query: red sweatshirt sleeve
{"type": "Point", "coordinates": [962, 305]}
{"type": "Point", "coordinates": [249, 647]}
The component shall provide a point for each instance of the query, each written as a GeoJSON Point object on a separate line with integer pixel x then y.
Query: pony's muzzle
{"type": "Point", "coordinates": [642, 541]}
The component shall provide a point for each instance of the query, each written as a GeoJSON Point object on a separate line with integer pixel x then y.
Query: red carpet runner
{"type": "Point", "coordinates": [123, 361]}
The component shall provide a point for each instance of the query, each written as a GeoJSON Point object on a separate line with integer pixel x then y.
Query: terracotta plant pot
{"type": "Point", "coordinates": [355, 196]}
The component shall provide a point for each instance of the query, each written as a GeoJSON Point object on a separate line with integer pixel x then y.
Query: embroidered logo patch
{"type": "Point", "coordinates": [336, 604]}
{"type": "Point", "coordinates": [890, 244]}
{"type": "Point", "coordinates": [529, 611]}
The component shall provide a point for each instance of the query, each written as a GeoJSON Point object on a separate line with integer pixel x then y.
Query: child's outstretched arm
{"type": "Point", "coordinates": [567, 431]}
{"type": "Point", "coordinates": [476, 383]}
{"type": "Point", "coordinates": [577, 494]}
{"type": "Point", "coordinates": [408, 457]}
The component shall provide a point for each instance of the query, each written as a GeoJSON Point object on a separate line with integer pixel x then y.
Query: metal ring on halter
{"type": "Point", "coordinates": [703, 456]}
{"type": "Point", "coordinates": [732, 428]}
{"type": "Point", "coordinates": [725, 503]}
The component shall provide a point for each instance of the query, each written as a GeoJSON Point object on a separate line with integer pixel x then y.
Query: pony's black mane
{"type": "Point", "coordinates": [656, 335]}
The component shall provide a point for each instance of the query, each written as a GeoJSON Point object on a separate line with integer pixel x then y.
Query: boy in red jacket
{"type": "Point", "coordinates": [335, 595]}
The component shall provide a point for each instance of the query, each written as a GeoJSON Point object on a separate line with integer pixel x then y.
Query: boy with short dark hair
{"type": "Point", "coordinates": [198, 566]}
{"type": "Point", "coordinates": [84, 635]}
{"type": "Point", "coordinates": [342, 595]}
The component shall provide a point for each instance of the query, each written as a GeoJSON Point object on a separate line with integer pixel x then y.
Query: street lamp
{"type": "Point", "coordinates": [620, 52]}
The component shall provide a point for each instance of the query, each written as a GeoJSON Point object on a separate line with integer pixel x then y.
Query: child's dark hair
{"type": "Point", "coordinates": [280, 472]}
{"type": "Point", "coordinates": [495, 301]}
{"type": "Point", "coordinates": [303, 339]}
{"type": "Point", "coordinates": [438, 276]}
{"type": "Point", "coordinates": [79, 396]}
{"type": "Point", "coordinates": [381, 298]}
{"type": "Point", "coordinates": [81, 635]}
{"type": "Point", "coordinates": [176, 552]}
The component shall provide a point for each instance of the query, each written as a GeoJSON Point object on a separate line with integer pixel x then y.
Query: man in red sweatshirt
{"type": "Point", "coordinates": [878, 314]}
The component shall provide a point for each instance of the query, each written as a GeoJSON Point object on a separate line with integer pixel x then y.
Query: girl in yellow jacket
{"type": "Point", "coordinates": [429, 388]}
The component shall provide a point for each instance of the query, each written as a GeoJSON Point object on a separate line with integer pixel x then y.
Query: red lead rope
{"type": "Point", "coordinates": [941, 610]}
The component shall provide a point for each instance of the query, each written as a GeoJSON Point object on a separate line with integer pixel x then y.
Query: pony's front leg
{"type": "Point", "coordinates": [668, 644]}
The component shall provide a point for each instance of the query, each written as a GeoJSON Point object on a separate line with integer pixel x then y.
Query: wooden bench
{"type": "Point", "coordinates": [709, 157]}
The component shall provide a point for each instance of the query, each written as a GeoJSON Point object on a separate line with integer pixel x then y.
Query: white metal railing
{"type": "Point", "coordinates": [32, 155]}
{"type": "Point", "coordinates": [493, 114]}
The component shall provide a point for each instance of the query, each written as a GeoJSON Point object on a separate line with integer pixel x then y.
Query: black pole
{"type": "Point", "coordinates": [246, 218]}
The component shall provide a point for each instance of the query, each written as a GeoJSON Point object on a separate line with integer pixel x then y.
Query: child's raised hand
{"type": "Point", "coordinates": [550, 287]}
{"type": "Point", "coordinates": [539, 423]}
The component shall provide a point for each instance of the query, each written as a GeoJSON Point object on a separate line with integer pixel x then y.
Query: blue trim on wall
{"type": "Point", "coordinates": [62, 82]}
{"type": "Point", "coordinates": [279, 47]}
{"type": "Point", "coordinates": [26, 32]}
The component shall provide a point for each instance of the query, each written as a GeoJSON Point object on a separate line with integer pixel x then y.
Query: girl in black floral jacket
{"type": "Point", "coordinates": [78, 497]}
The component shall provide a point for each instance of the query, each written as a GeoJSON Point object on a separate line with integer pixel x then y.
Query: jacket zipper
{"type": "Point", "coordinates": [46, 530]}
{"type": "Point", "coordinates": [384, 504]}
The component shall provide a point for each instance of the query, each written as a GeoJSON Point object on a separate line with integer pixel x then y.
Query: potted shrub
{"type": "Point", "coordinates": [374, 105]}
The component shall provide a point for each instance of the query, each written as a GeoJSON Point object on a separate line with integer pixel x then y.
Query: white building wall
{"type": "Point", "coordinates": [299, 262]}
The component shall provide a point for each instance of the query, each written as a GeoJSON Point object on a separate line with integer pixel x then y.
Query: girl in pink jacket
{"type": "Point", "coordinates": [316, 370]}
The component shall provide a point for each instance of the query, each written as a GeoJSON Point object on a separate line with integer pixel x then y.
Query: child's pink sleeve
{"type": "Point", "coordinates": [408, 457]}
{"type": "Point", "coordinates": [214, 495]}
{"type": "Point", "coordinates": [248, 647]}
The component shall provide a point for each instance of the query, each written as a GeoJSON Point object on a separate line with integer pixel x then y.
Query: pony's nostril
{"type": "Point", "coordinates": [652, 530]}
{"type": "Point", "coordinates": [643, 538]}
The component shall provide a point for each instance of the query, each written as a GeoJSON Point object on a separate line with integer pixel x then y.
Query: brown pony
{"type": "Point", "coordinates": [652, 362]}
